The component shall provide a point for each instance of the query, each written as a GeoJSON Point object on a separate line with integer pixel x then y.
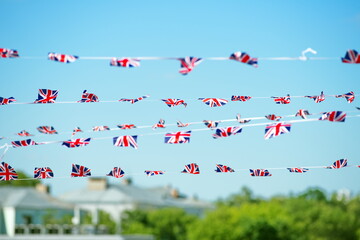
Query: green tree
{"type": "Point", "coordinates": [24, 181]}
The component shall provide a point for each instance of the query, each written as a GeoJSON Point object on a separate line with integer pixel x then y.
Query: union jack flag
{"type": "Point", "coordinates": [273, 117]}
{"type": "Point", "coordinates": [351, 56]}
{"type": "Point", "coordinates": [5, 101]}
{"type": "Point", "coordinates": [276, 129]}
{"type": "Point", "coordinates": [46, 96]}
{"type": "Point", "coordinates": [180, 124]}
{"type": "Point", "coordinates": [239, 120]}
{"type": "Point", "coordinates": [338, 164]}
{"type": "Point", "coordinates": [191, 168]}
{"type": "Point", "coordinates": [298, 170]}
{"type": "Point", "coordinates": [73, 143]}
{"type": "Point", "coordinates": [260, 173]}
{"type": "Point", "coordinates": [334, 116]}
{"type": "Point", "coordinates": [172, 102]}
{"type": "Point", "coordinates": [302, 113]}
{"type": "Point", "coordinates": [226, 132]}
{"type": "Point", "coordinates": [62, 57]}
{"type": "Point", "coordinates": [318, 99]}
{"type": "Point", "coordinates": [125, 62]}
{"type": "Point", "coordinates": [116, 172]}
{"type": "Point", "coordinates": [126, 126]}
{"type": "Point", "coordinates": [8, 53]}
{"type": "Point", "coordinates": [88, 97]}
{"type": "Point", "coordinates": [133, 100]}
{"type": "Point", "coordinates": [350, 96]}
{"type": "Point", "coordinates": [43, 172]}
{"type": "Point", "coordinates": [160, 124]}
{"type": "Point", "coordinates": [47, 130]}
{"type": "Point", "coordinates": [7, 172]}
{"type": "Point", "coordinates": [244, 58]}
{"type": "Point", "coordinates": [24, 133]}
{"type": "Point", "coordinates": [223, 168]}
{"type": "Point", "coordinates": [282, 100]}
{"type": "Point", "coordinates": [23, 143]}
{"type": "Point", "coordinates": [126, 141]}
{"type": "Point", "coordinates": [100, 128]}
{"type": "Point", "coordinates": [187, 64]}
{"type": "Point", "coordinates": [178, 137]}
{"type": "Point", "coordinates": [214, 102]}
{"type": "Point", "coordinates": [240, 98]}
{"type": "Point", "coordinates": [153, 173]}
{"type": "Point", "coordinates": [80, 171]}
{"type": "Point", "coordinates": [211, 124]}
{"type": "Point", "coordinates": [76, 130]}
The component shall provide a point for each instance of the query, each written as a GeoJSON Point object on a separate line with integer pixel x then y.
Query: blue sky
{"type": "Point", "coordinates": [179, 29]}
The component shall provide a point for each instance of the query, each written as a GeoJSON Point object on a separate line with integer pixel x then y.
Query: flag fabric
{"type": "Point", "coordinates": [334, 116]}
{"type": "Point", "coordinates": [282, 100]}
{"type": "Point", "coordinates": [318, 99]}
{"type": "Point", "coordinates": [43, 172]}
{"type": "Point", "coordinates": [125, 141]}
{"type": "Point", "coordinates": [172, 102]}
{"type": "Point", "coordinates": [5, 101]}
{"type": "Point", "coordinates": [226, 132]}
{"type": "Point", "coordinates": [180, 124]}
{"type": "Point", "coordinates": [302, 113]}
{"type": "Point", "coordinates": [260, 173]}
{"type": "Point", "coordinates": [46, 96]}
{"type": "Point", "coordinates": [177, 137]}
{"type": "Point", "coordinates": [244, 58]}
{"type": "Point", "coordinates": [350, 96]}
{"type": "Point", "coordinates": [211, 124]}
{"type": "Point", "coordinates": [214, 102]}
{"type": "Point", "coordinates": [242, 121]}
{"type": "Point", "coordinates": [187, 64]}
{"type": "Point", "coordinates": [80, 171]}
{"type": "Point", "coordinates": [7, 172]}
{"type": "Point", "coordinates": [351, 56]}
{"type": "Point", "coordinates": [116, 172]}
{"type": "Point", "coordinates": [223, 168]}
{"type": "Point", "coordinates": [88, 97]}
{"type": "Point", "coordinates": [133, 100]}
{"type": "Point", "coordinates": [24, 133]}
{"type": "Point", "coordinates": [100, 128]}
{"type": "Point", "coordinates": [8, 53]}
{"type": "Point", "coordinates": [240, 98]}
{"type": "Point", "coordinates": [160, 124]}
{"type": "Point", "coordinates": [338, 164]}
{"type": "Point", "coordinates": [191, 168]}
{"type": "Point", "coordinates": [23, 143]}
{"type": "Point", "coordinates": [276, 129]}
{"type": "Point", "coordinates": [298, 170]}
{"type": "Point", "coordinates": [76, 130]}
{"type": "Point", "coordinates": [153, 173]}
{"type": "Point", "coordinates": [273, 117]}
{"type": "Point", "coordinates": [73, 143]}
{"type": "Point", "coordinates": [47, 130]}
{"type": "Point", "coordinates": [125, 62]}
{"type": "Point", "coordinates": [62, 57]}
{"type": "Point", "coordinates": [126, 126]}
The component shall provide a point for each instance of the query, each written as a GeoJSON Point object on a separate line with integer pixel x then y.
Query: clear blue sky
{"type": "Point", "coordinates": [179, 29]}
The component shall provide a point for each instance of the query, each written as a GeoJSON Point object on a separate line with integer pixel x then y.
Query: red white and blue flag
{"type": "Point", "coordinates": [133, 100]}
{"type": "Point", "coordinates": [318, 99]}
{"type": "Point", "coordinates": [223, 168]}
{"type": "Point", "coordinates": [334, 116]}
{"type": "Point", "coordinates": [338, 164]}
{"type": "Point", "coordinates": [187, 64]}
{"type": "Point", "coordinates": [126, 126]}
{"type": "Point", "coordinates": [24, 133]}
{"type": "Point", "coordinates": [125, 141]}
{"type": "Point", "coordinates": [172, 102]}
{"type": "Point", "coordinates": [214, 102]}
{"type": "Point", "coordinates": [302, 113]}
{"type": "Point", "coordinates": [260, 173]}
{"type": "Point", "coordinates": [160, 124]}
{"type": "Point", "coordinates": [46, 96]}
{"type": "Point", "coordinates": [211, 124]}
{"type": "Point", "coordinates": [76, 130]}
{"type": "Point", "coordinates": [88, 97]}
{"type": "Point", "coordinates": [100, 128]}
{"type": "Point", "coordinates": [351, 56]}
{"type": "Point", "coordinates": [240, 98]}
{"type": "Point", "coordinates": [8, 53]}
{"type": "Point", "coordinates": [242, 121]}
{"type": "Point", "coordinates": [7, 172]}
{"type": "Point", "coordinates": [244, 58]}
{"type": "Point", "coordinates": [274, 130]}
{"type": "Point", "coordinates": [125, 62]}
{"type": "Point", "coordinates": [180, 124]}
{"type": "Point", "coordinates": [62, 57]}
{"type": "Point", "coordinates": [116, 172]}
{"type": "Point", "coordinates": [226, 132]}
{"type": "Point", "coordinates": [43, 172]}
{"type": "Point", "coordinates": [5, 101]}
{"type": "Point", "coordinates": [47, 130]}
{"type": "Point", "coordinates": [23, 143]}
{"type": "Point", "coordinates": [191, 168]}
{"type": "Point", "coordinates": [282, 100]}
{"type": "Point", "coordinates": [273, 117]}
{"type": "Point", "coordinates": [80, 171]}
{"type": "Point", "coordinates": [73, 143]}
{"type": "Point", "coordinates": [153, 173]}
{"type": "Point", "coordinates": [177, 137]}
{"type": "Point", "coordinates": [350, 96]}
{"type": "Point", "coordinates": [298, 170]}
